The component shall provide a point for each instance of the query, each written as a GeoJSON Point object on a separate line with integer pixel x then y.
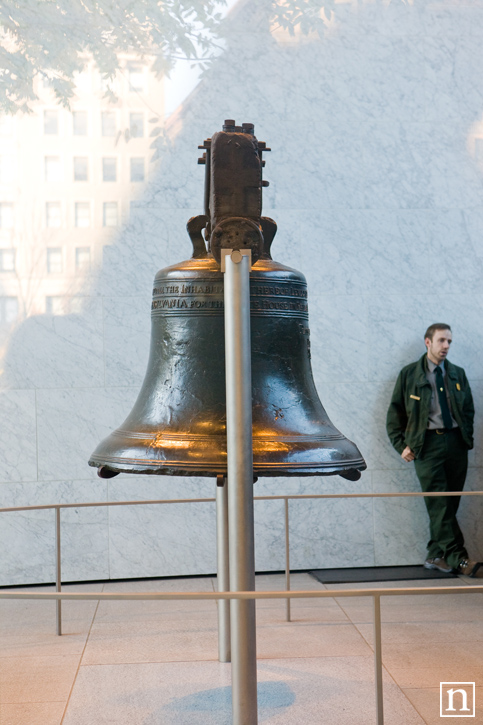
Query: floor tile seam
{"type": "Point", "coordinates": [30, 702]}
{"type": "Point", "coordinates": [80, 661]}
{"type": "Point", "coordinates": [151, 662]}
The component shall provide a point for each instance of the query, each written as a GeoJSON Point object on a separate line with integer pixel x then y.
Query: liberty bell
{"type": "Point", "coordinates": [178, 423]}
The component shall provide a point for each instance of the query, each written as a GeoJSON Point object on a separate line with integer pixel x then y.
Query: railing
{"type": "Point", "coordinates": [288, 595]}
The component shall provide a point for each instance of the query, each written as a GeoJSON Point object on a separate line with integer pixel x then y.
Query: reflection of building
{"type": "Point", "coordinates": [66, 181]}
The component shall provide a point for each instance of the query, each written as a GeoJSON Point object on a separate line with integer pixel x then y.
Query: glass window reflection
{"type": "Point", "coordinates": [79, 123]}
{"type": "Point", "coordinates": [54, 260]}
{"type": "Point", "coordinates": [110, 214]}
{"type": "Point", "coordinates": [82, 214]}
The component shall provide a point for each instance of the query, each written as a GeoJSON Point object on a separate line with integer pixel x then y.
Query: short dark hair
{"type": "Point", "coordinates": [435, 326]}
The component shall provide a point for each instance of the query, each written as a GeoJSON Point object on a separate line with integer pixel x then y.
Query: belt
{"type": "Point", "coordinates": [441, 431]}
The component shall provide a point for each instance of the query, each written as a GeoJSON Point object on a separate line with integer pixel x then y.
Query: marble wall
{"type": "Point", "coordinates": [376, 171]}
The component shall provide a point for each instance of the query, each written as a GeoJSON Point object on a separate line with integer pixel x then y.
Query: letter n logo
{"type": "Point", "coordinates": [457, 699]}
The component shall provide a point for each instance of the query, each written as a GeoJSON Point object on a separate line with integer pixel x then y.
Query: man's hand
{"type": "Point", "coordinates": [408, 455]}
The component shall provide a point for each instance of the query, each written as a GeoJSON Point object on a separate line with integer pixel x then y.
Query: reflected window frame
{"type": "Point", "coordinates": [55, 260]}
{"type": "Point", "coordinates": [82, 259]}
{"type": "Point", "coordinates": [53, 170]}
{"type": "Point", "coordinates": [110, 212]}
{"type": "Point", "coordinates": [54, 305]}
{"type": "Point", "coordinates": [80, 207]}
{"type": "Point", "coordinates": [51, 122]}
{"type": "Point", "coordinates": [8, 259]}
{"type": "Point", "coordinates": [136, 73]}
{"type": "Point", "coordinates": [109, 164]}
{"type": "Point", "coordinates": [8, 168]}
{"type": "Point", "coordinates": [80, 166]}
{"type": "Point", "coordinates": [9, 310]}
{"type": "Point", "coordinates": [135, 165]}
{"type": "Point", "coordinates": [80, 128]}
{"type": "Point", "coordinates": [51, 217]}
{"type": "Point", "coordinates": [109, 129]}
{"type": "Point", "coordinates": [136, 124]}
{"type": "Point", "coordinates": [7, 215]}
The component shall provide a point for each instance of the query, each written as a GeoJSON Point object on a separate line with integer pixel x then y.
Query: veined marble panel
{"type": "Point", "coordinates": [399, 323]}
{"type": "Point", "coordinates": [470, 514]}
{"type": "Point", "coordinates": [401, 527]}
{"type": "Point", "coordinates": [72, 422]}
{"type": "Point", "coordinates": [52, 351]}
{"type": "Point", "coordinates": [18, 435]}
{"type": "Point", "coordinates": [127, 332]}
{"type": "Point", "coordinates": [28, 537]}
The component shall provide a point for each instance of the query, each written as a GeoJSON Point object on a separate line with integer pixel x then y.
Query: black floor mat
{"type": "Point", "coordinates": [377, 574]}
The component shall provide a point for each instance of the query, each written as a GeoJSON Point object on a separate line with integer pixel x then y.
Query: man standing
{"type": "Point", "coordinates": [430, 422]}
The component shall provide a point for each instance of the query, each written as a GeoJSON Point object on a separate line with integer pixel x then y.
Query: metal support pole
{"type": "Point", "coordinates": [378, 660]}
{"type": "Point", "coordinates": [58, 571]}
{"type": "Point", "coordinates": [236, 270]}
{"type": "Point", "coordinates": [287, 558]}
{"type": "Point", "coordinates": [223, 569]}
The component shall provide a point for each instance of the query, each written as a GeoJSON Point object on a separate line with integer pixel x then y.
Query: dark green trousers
{"type": "Point", "coordinates": [442, 466]}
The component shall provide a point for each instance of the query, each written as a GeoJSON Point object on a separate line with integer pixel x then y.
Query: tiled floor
{"type": "Point", "coordinates": [155, 662]}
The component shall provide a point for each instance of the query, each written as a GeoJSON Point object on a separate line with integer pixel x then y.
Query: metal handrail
{"type": "Point", "coordinates": [288, 595]}
{"type": "Point", "coordinates": [301, 594]}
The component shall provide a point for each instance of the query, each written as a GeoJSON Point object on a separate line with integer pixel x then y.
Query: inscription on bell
{"type": "Point", "coordinates": [182, 297]}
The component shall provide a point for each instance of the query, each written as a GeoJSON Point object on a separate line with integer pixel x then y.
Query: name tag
{"type": "Point", "coordinates": [415, 397]}
{"type": "Point", "coordinates": [458, 386]}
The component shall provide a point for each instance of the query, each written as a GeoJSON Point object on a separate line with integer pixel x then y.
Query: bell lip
{"type": "Point", "coordinates": [352, 469]}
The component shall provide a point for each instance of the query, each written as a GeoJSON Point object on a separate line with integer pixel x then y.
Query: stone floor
{"type": "Point", "coordinates": [155, 662]}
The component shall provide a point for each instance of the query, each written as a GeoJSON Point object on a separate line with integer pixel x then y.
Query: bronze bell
{"type": "Point", "coordinates": [177, 425]}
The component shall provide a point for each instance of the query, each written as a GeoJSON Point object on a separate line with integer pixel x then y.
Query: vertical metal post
{"type": "Point", "coordinates": [58, 571]}
{"type": "Point", "coordinates": [236, 270]}
{"type": "Point", "coordinates": [378, 660]}
{"type": "Point", "coordinates": [223, 569]}
{"type": "Point", "coordinates": [287, 558]}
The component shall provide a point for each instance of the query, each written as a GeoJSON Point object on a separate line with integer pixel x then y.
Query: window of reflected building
{"type": "Point", "coordinates": [108, 123]}
{"type": "Point", "coordinates": [51, 122]}
{"type": "Point", "coordinates": [8, 168]}
{"type": "Point", "coordinates": [82, 259]}
{"type": "Point", "coordinates": [54, 305]}
{"type": "Point", "coordinates": [6, 215]}
{"type": "Point", "coordinates": [110, 214]}
{"type": "Point", "coordinates": [81, 168]}
{"type": "Point", "coordinates": [136, 125]}
{"type": "Point", "coordinates": [82, 214]}
{"type": "Point", "coordinates": [137, 168]}
{"type": "Point", "coordinates": [136, 78]}
{"type": "Point", "coordinates": [8, 309]}
{"type": "Point", "coordinates": [79, 123]}
{"type": "Point", "coordinates": [53, 215]}
{"type": "Point", "coordinates": [7, 260]}
{"type": "Point", "coordinates": [54, 260]}
{"type": "Point", "coordinates": [53, 168]}
{"type": "Point", "coordinates": [109, 168]}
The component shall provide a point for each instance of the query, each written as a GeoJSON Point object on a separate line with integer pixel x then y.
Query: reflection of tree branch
{"type": "Point", "coordinates": [54, 38]}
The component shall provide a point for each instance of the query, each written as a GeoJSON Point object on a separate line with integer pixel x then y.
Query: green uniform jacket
{"type": "Point", "coordinates": [408, 412]}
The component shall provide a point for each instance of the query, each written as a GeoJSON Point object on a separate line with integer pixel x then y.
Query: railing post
{"type": "Point", "coordinates": [236, 270]}
{"type": "Point", "coordinates": [287, 558]}
{"type": "Point", "coordinates": [378, 660]}
{"type": "Point", "coordinates": [223, 569]}
{"type": "Point", "coordinates": [58, 570]}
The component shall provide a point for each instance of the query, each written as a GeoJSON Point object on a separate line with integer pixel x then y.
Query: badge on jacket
{"type": "Point", "coordinates": [415, 397]}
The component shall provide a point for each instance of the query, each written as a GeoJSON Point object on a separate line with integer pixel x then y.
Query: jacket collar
{"type": "Point", "coordinates": [421, 367]}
